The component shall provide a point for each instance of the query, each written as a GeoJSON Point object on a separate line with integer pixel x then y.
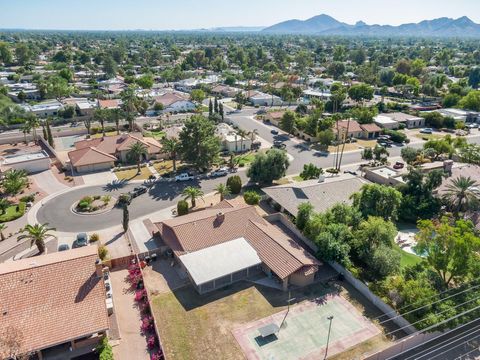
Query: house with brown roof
{"type": "Point", "coordinates": [348, 129]}
{"type": "Point", "coordinates": [55, 303]}
{"type": "Point", "coordinates": [231, 242]}
{"type": "Point", "coordinates": [370, 131]}
{"type": "Point", "coordinates": [174, 102]}
{"type": "Point", "coordinates": [101, 153]}
{"type": "Point", "coordinates": [225, 90]}
{"type": "Point", "coordinates": [109, 104]}
{"type": "Point", "coordinates": [275, 117]}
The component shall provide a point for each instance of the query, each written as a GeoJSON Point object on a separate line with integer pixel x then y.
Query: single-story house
{"type": "Point", "coordinates": [109, 104]}
{"type": "Point", "coordinates": [45, 109]}
{"type": "Point", "coordinates": [322, 194]}
{"type": "Point", "coordinates": [409, 121]}
{"type": "Point", "coordinates": [348, 129]}
{"type": "Point", "coordinates": [231, 141]}
{"type": "Point", "coordinates": [460, 115]}
{"type": "Point", "coordinates": [262, 99]}
{"type": "Point", "coordinates": [275, 117]}
{"type": "Point", "coordinates": [231, 242]}
{"type": "Point", "coordinates": [316, 94]}
{"type": "Point", "coordinates": [386, 122]}
{"type": "Point", "coordinates": [225, 90]}
{"type": "Point", "coordinates": [54, 303]}
{"type": "Point", "coordinates": [370, 131]}
{"type": "Point", "coordinates": [384, 175]}
{"type": "Point", "coordinates": [101, 153]}
{"type": "Point", "coordinates": [30, 162]}
{"type": "Point", "coordinates": [174, 102]}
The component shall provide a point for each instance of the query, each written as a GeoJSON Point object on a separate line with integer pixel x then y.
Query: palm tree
{"type": "Point", "coordinates": [243, 134]}
{"type": "Point", "coordinates": [222, 190]}
{"type": "Point", "coordinates": [192, 193]}
{"type": "Point", "coordinates": [101, 115]}
{"type": "Point", "coordinates": [36, 234]}
{"type": "Point", "coordinates": [26, 130]}
{"type": "Point", "coordinates": [3, 227]}
{"type": "Point", "coordinates": [462, 194]}
{"type": "Point", "coordinates": [33, 123]}
{"type": "Point", "coordinates": [14, 181]}
{"type": "Point", "coordinates": [116, 115]}
{"type": "Point", "coordinates": [253, 135]}
{"type": "Point", "coordinates": [129, 105]}
{"type": "Point", "coordinates": [172, 146]}
{"type": "Point", "coordinates": [136, 152]}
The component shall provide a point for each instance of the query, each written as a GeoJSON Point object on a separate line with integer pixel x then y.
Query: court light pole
{"type": "Point", "coordinates": [328, 337]}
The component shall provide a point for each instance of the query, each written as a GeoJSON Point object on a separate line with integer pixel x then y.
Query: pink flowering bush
{"type": "Point", "coordinates": [157, 356]}
{"type": "Point", "coordinates": [151, 342]}
{"type": "Point", "coordinates": [147, 324]}
{"type": "Point", "coordinates": [140, 295]}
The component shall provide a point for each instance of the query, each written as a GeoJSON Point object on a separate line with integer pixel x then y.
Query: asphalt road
{"type": "Point", "coordinates": [57, 212]}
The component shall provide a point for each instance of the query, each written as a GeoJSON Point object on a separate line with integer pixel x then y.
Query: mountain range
{"type": "Point", "coordinates": [327, 25]}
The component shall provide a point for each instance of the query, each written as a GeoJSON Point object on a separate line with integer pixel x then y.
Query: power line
{"type": "Point", "coordinates": [468, 353]}
{"type": "Point", "coordinates": [429, 304]}
{"type": "Point", "coordinates": [450, 349]}
{"type": "Point", "coordinates": [441, 312]}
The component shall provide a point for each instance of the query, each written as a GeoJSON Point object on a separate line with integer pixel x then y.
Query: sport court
{"type": "Point", "coordinates": [305, 335]}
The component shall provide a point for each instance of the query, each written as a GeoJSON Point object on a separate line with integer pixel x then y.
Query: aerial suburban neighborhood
{"type": "Point", "coordinates": [305, 190]}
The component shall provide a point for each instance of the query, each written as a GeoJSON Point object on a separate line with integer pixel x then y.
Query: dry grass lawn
{"type": "Point", "coordinates": [199, 327]}
{"type": "Point", "coordinates": [131, 174]}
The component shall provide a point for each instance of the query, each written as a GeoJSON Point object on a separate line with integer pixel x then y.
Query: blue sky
{"type": "Point", "coordinates": [193, 14]}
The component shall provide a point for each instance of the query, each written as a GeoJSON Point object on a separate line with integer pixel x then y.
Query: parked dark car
{"type": "Point", "coordinates": [81, 240]}
{"type": "Point", "coordinates": [138, 191]}
{"type": "Point", "coordinates": [63, 247]}
{"type": "Point", "coordinates": [279, 145]}
{"type": "Point", "coordinates": [398, 165]}
{"type": "Point", "coordinates": [274, 132]}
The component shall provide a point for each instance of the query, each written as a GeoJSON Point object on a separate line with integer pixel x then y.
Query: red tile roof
{"type": "Point", "coordinates": [353, 126]}
{"type": "Point", "coordinates": [53, 298]}
{"type": "Point", "coordinates": [214, 226]}
{"type": "Point", "coordinates": [89, 156]}
{"type": "Point", "coordinates": [169, 99]}
{"type": "Point", "coordinates": [109, 104]}
{"type": "Point", "coordinates": [370, 128]}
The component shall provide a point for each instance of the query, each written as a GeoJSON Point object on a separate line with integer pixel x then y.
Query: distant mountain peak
{"type": "Point", "coordinates": [324, 24]}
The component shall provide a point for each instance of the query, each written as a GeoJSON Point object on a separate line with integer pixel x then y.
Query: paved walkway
{"type": "Point", "coordinates": [132, 345]}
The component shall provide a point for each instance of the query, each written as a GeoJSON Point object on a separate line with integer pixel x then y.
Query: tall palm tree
{"type": "Point", "coordinates": [192, 193]}
{"type": "Point", "coordinates": [37, 234]}
{"type": "Point", "coordinates": [26, 128]}
{"type": "Point", "coordinates": [172, 146]}
{"type": "Point", "coordinates": [33, 123]}
{"type": "Point", "coordinates": [253, 135]}
{"type": "Point", "coordinates": [222, 190]}
{"type": "Point", "coordinates": [462, 194]}
{"type": "Point", "coordinates": [101, 115]}
{"type": "Point", "coordinates": [3, 227]}
{"type": "Point", "coordinates": [129, 105]}
{"type": "Point", "coordinates": [243, 134]}
{"type": "Point", "coordinates": [136, 152]}
{"type": "Point", "coordinates": [116, 115]}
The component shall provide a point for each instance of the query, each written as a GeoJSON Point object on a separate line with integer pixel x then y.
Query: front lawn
{"type": "Point", "coordinates": [200, 327]}
{"type": "Point", "coordinates": [13, 212]}
{"type": "Point", "coordinates": [100, 134]}
{"type": "Point", "coordinates": [245, 159]}
{"type": "Point", "coordinates": [407, 259]}
{"type": "Point", "coordinates": [131, 174]}
{"type": "Point", "coordinates": [156, 134]}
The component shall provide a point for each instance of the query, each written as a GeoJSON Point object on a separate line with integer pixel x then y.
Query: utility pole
{"type": "Point", "coordinates": [328, 337]}
{"type": "Point", "coordinates": [290, 299]}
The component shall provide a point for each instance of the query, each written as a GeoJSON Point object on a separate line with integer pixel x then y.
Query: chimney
{"type": "Point", "coordinates": [98, 268]}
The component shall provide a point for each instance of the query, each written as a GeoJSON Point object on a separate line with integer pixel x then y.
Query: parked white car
{"type": "Point", "coordinates": [184, 177]}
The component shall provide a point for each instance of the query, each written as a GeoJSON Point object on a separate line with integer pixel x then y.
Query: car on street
{"type": "Point", "coordinates": [219, 172]}
{"type": "Point", "coordinates": [398, 165]}
{"type": "Point", "coordinates": [472, 125]}
{"type": "Point", "coordinates": [274, 132]}
{"type": "Point", "coordinates": [81, 240]}
{"type": "Point", "coordinates": [426, 131]}
{"type": "Point", "coordinates": [279, 145]}
{"type": "Point", "coordinates": [139, 190]}
{"type": "Point", "coordinates": [184, 177]}
{"type": "Point", "coordinates": [63, 247]}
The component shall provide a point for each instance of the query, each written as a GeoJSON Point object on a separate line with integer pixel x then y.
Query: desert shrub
{"type": "Point", "coordinates": [106, 199]}
{"type": "Point", "coordinates": [83, 205]}
{"type": "Point", "coordinates": [235, 184]}
{"type": "Point", "coordinates": [94, 237]}
{"type": "Point", "coordinates": [28, 198]}
{"type": "Point", "coordinates": [182, 207]}
{"type": "Point", "coordinates": [102, 252]}
{"type": "Point", "coordinates": [251, 197]}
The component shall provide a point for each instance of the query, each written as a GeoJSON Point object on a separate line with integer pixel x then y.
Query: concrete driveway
{"type": "Point", "coordinates": [48, 182]}
{"type": "Point", "coordinates": [98, 178]}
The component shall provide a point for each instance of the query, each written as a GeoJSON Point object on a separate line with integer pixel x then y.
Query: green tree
{"type": "Point", "coordinates": [367, 154]}
{"type": "Point", "coordinates": [361, 92]}
{"type": "Point", "coordinates": [145, 81]}
{"type": "Point", "coordinates": [325, 138]}
{"type": "Point", "coordinates": [136, 152]}
{"type": "Point", "coordinates": [462, 194]}
{"type": "Point", "coordinates": [268, 167]}
{"type": "Point", "coordinates": [384, 262]}
{"type": "Point", "coordinates": [378, 200]}
{"type": "Point", "coordinates": [5, 54]}
{"type": "Point", "coordinates": [36, 234]}
{"type": "Point", "coordinates": [199, 144]}
{"type": "Point", "coordinates": [251, 197]}
{"type": "Point", "coordinates": [182, 207]}
{"type": "Point", "coordinates": [222, 190]}
{"type": "Point", "coordinates": [471, 101]}
{"type": "Point", "coordinates": [22, 53]}
{"type": "Point", "coordinates": [110, 66]}
{"type": "Point", "coordinates": [474, 77]}
{"type": "Point", "coordinates": [287, 122]}
{"type": "Point", "coordinates": [4, 205]}
{"type": "Point", "coordinates": [197, 95]}
{"type": "Point", "coordinates": [101, 115]}
{"type": "Point", "coordinates": [235, 184]}
{"type": "Point", "coordinates": [125, 217]}
{"type": "Point", "coordinates": [192, 193]}
{"type": "Point", "coordinates": [49, 133]}
{"type": "Point", "coordinates": [310, 171]}
{"type": "Point", "coordinates": [410, 155]}
{"type": "Point", "coordinates": [304, 213]}
{"type": "Point", "coordinates": [171, 146]}
{"type": "Point", "coordinates": [451, 249]}
{"type": "Point", "coordinates": [14, 181]}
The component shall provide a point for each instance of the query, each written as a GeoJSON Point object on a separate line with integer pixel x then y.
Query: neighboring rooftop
{"type": "Point", "coordinates": [322, 195]}
{"type": "Point", "coordinates": [15, 159]}
{"type": "Point", "coordinates": [53, 298]}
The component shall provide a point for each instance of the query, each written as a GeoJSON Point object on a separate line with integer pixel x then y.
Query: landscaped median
{"type": "Point", "coordinates": [94, 205]}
